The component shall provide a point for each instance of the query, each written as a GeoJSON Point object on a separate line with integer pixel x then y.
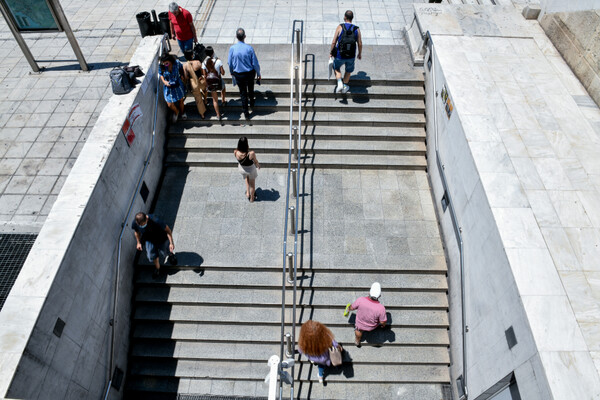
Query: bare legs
{"type": "Point", "coordinates": [250, 189]}
{"type": "Point", "coordinates": [338, 75]}
{"type": "Point", "coordinates": [177, 108]}
{"type": "Point", "coordinates": [357, 337]}
{"type": "Point", "coordinates": [215, 97]}
{"type": "Point", "coordinates": [223, 95]}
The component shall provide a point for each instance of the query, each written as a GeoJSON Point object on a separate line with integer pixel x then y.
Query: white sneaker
{"type": "Point", "coordinates": [345, 89]}
{"type": "Point", "coordinates": [339, 87]}
{"type": "Point", "coordinates": [184, 116]}
{"type": "Point", "coordinates": [174, 118]}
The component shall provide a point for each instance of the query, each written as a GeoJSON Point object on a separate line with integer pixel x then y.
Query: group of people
{"type": "Point", "coordinates": [317, 342]}
{"type": "Point", "coordinates": [205, 76]}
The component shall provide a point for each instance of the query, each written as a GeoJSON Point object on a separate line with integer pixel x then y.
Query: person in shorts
{"type": "Point", "coordinates": [370, 313]}
{"type": "Point", "coordinates": [346, 41]}
{"type": "Point", "coordinates": [155, 236]}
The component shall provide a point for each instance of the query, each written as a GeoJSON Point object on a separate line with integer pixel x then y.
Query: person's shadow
{"type": "Point", "coordinates": [378, 336]}
{"type": "Point", "coordinates": [267, 194]}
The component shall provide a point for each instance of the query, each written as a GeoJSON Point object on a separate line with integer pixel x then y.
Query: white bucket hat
{"type": "Point", "coordinates": [375, 290]}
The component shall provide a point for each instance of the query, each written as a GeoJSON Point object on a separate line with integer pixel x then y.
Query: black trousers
{"type": "Point", "coordinates": [245, 82]}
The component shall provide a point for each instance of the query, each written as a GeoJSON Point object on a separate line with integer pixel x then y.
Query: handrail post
{"type": "Point", "coordinates": [298, 39]}
{"type": "Point", "coordinates": [295, 128]}
{"type": "Point", "coordinates": [289, 352]}
{"type": "Point", "coordinates": [296, 84]}
{"type": "Point", "coordinates": [295, 187]}
{"type": "Point", "coordinates": [290, 258]}
{"type": "Point", "coordinates": [292, 220]}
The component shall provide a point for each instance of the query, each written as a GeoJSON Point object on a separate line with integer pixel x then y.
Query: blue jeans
{"type": "Point", "coordinates": [321, 370]}
{"type": "Point", "coordinates": [349, 63]}
{"type": "Point", "coordinates": [186, 45]}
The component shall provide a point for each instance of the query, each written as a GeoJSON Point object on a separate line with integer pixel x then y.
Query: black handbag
{"type": "Point", "coordinates": [199, 52]}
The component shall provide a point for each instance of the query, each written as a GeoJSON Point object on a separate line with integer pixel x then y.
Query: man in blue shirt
{"type": "Point", "coordinates": [243, 66]}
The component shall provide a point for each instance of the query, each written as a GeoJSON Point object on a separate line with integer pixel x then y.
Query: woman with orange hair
{"type": "Point", "coordinates": [314, 342]}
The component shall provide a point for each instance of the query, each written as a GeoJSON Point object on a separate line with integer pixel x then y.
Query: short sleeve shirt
{"type": "Point", "coordinates": [218, 64]}
{"type": "Point", "coordinates": [181, 24]}
{"type": "Point", "coordinates": [153, 232]}
{"type": "Point", "coordinates": [369, 313]}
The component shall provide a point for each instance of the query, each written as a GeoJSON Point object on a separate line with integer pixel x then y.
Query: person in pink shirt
{"type": "Point", "coordinates": [370, 313]}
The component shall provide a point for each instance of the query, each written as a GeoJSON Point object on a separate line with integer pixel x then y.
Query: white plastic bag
{"type": "Point", "coordinates": [330, 67]}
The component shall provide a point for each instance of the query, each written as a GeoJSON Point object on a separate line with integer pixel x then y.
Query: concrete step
{"type": "Point", "coordinates": [166, 388]}
{"type": "Point", "coordinates": [257, 333]}
{"type": "Point", "coordinates": [255, 296]}
{"type": "Point", "coordinates": [396, 263]}
{"type": "Point", "coordinates": [258, 370]}
{"type": "Point", "coordinates": [413, 78]}
{"type": "Point", "coordinates": [327, 91]}
{"type": "Point", "coordinates": [331, 316]}
{"type": "Point", "coordinates": [325, 132]}
{"type": "Point", "coordinates": [144, 349]}
{"type": "Point", "coordinates": [263, 117]}
{"type": "Point", "coordinates": [393, 281]}
{"type": "Point", "coordinates": [352, 161]}
{"type": "Point", "coordinates": [268, 102]}
{"type": "Point", "coordinates": [281, 146]}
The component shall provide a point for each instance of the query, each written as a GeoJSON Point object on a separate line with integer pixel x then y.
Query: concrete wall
{"type": "Point", "coordinates": [552, 6]}
{"type": "Point", "coordinates": [492, 300]}
{"type": "Point", "coordinates": [576, 35]}
{"type": "Point", "coordinates": [71, 269]}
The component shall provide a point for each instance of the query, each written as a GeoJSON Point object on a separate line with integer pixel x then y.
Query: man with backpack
{"type": "Point", "coordinates": [156, 237]}
{"type": "Point", "coordinates": [343, 50]}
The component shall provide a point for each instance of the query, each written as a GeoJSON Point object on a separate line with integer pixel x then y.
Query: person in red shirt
{"type": "Point", "coordinates": [182, 27]}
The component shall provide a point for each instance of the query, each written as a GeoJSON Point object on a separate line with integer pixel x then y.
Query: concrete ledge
{"type": "Point", "coordinates": [70, 270]}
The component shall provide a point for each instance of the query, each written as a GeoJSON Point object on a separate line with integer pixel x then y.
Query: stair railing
{"type": "Point", "coordinates": [290, 257]}
{"type": "Point", "coordinates": [164, 44]}
{"type": "Point", "coordinates": [461, 381]}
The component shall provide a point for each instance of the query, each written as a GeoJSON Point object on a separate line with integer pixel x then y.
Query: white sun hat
{"type": "Point", "coordinates": [375, 290]}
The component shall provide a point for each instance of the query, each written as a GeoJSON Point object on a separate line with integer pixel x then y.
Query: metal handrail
{"type": "Point", "coordinates": [164, 43]}
{"type": "Point", "coordinates": [457, 229]}
{"type": "Point", "coordinates": [293, 178]}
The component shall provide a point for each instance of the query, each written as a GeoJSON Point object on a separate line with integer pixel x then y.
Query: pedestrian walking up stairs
{"type": "Point", "coordinates": [209, 330]}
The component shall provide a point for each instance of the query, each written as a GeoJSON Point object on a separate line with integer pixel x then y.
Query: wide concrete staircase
{"type": "Point", "coordinates": [209, 330]}
{"type": "Point", "coordinates": [379, 124]}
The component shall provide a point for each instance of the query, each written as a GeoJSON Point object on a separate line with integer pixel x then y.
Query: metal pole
{"type": "Point", "coordinates": [295, 128]}
{"type": "Point", "coordinates": [62, 19]}
{"type": "Point", "coordinates": [298, 38]}
{"type": "Point", "coordinates": [289, 351]}
{"type": "Point", "coordinates": [292, 220]}
{"type": "Point", "coordinates": [295, 187]}
{"type": "Point", "coordinates": [296, 83]}
{"type": "Point", "coordinates": [20, 41]}
{"type": "Point", "coordinates": [290, 257]}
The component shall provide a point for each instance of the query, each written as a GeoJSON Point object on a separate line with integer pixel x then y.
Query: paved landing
{"type": "Point", "coordinates": [364, 219]}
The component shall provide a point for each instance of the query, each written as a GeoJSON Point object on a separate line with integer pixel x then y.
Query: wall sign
{"type": "Point", "coordinates": [447, 101]}
{"type": "Point", "coordinates": [32, 15]}
{"type": "Point", "coordinates": [134, 113]}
